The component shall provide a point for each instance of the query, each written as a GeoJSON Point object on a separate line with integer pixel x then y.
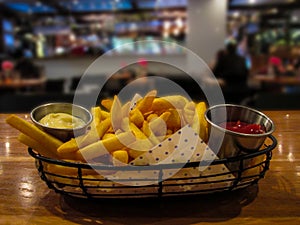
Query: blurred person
{"type": "Point", "coordinates": [275, 65]}
{"type": "Point", "coordinates": [220, 53]}
{"type": "Point", "coordinates": [232, 69]}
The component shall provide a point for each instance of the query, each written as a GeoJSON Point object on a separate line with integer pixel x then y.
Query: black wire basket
{"type": "Point", "coordinates": [175, 179]}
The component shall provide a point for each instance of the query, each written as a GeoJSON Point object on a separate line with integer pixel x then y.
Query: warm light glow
{"type": "Point", "coordinates": [167, 25]}
{"type": "Point", "coordinates": [72, 37]}
{"type": "Point", "coordinates": [176, 32]}
{"type": "Point", "coordinates": [26, 189]}
{"type": "Point", "coordinates": [252, 1]}
{"type": "Point", "coordinates": [291, 157]}
{"type": "Point", "coordinates": [280, 150]}
{"type": "Point", "coordinates": [274, 11]}
{"type": "Point", "coordinates": [166, 34]}
{"type": "Point", "coordinates": [179, 22]}
{"type": "Point", "coordinates": [7, 144]}
{"type": "Point", "coordinates": [236, 14]}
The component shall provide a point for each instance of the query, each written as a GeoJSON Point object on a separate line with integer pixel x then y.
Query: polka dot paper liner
{"type": "Point", "coordinates": [182, 147]}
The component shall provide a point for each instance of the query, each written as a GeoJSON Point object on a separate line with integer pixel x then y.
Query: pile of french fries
{"type": "Point", "coordinates": [122, 131]}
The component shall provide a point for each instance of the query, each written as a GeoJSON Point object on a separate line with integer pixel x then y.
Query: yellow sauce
{"type": "Point", "coordinates": [61, 120]}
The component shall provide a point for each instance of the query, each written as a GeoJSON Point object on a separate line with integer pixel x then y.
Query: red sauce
{"type": "Point", "coordinates": [242, 127]}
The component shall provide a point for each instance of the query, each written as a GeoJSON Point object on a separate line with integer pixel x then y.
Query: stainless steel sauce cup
{"type": "Point", "coordinates": [228, 143]}
{"type": "Point", "coordinates": [63, 134]}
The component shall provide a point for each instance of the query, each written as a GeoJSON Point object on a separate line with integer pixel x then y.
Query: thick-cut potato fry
{"type": "Point", "coordinates": [177, 101]}
{"type": "Point", "coordinates": [105, 146]}
{"type": "Point", "coordinates": [196, 124]}
{"type": "Point", "coordinates": [108, 135]}
{"type": "Point", "coordinates": [69, 146]}
{"type": "Point", "coordinates": [120, 157]}
{"type": "Point", "coordinates": [42, 150]}
{"type": "Point", "coordinates": [104, 115]}
{"type": "Point", "coordinates": [146, 129]}
{"type": "Point", "coordinates": [96, 112]}
{"type": "Point", "coordinates": [201, 108]}
{"type": "Point", "coordinates": [161, 105]}
{"type": "Point", "coordinates": [148, 132]}
{"type": "Point", "coordinates": [89, 138]}
{"type": "Point", "coordinates": [165, 116]}
{"type": "Point", "coordinates": [137, 132]}
{"type": "Point", "coordinates": [158, 126]}
{"type": "Point", "coordinates": [189, 112]}
{"type": "Point", "coordinates": [136, 117]}
{"type": "Point", "coordinates": [145, 104]}
{"type": "Point", "coordinates": [103, 127]}
{"type": "Point", "coordinates": [142, 141]}
{"type": "Point", "coordinates": [169, 132]}
{"type": "Point", "coordinates": [169, 102]}
{"type": "Point", "coordinates": [151, 117]}
{"type": "Point", "coordinates": [35, 133]}
{"type": "Point", "coordinates": [69, 156]}
{"type": "Point", "coordinates": [139, 147]}
{"type": "Point", "coordinates": [119, 141]}
{"type": "Point", "coordinates": [174, 120]}
{"type": "Point", "coordinates": [75, 144]}
{"type": "Point", "coordinates": [107, 103]}
{"type": "Point", "coordinates": [116, 115]}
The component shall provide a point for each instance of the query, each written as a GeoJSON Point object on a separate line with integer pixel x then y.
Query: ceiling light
{"type": "Point", "coordinates": [252, 1]}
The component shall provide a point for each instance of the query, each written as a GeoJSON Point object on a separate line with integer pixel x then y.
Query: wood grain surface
{"type": "Point", "coordinates": [26, 199]}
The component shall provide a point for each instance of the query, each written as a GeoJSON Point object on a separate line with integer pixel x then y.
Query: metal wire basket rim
{"type": "Point", "coordinates": [157, 166]}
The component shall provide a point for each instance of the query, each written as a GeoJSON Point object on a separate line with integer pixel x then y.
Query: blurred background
{"type": "Point", "coordinates": [252, 47]}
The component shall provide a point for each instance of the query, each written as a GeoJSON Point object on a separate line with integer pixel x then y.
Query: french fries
{"type": "Point", "coordinates": [40, 137]}
{"type": "Point", "coordinates": [42, 150]}
{"type": "Point", "coordinates": [123, 131]}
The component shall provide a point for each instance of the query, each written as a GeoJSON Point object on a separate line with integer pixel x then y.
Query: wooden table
{"type": "Point", "coordinates": [25, 198]}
